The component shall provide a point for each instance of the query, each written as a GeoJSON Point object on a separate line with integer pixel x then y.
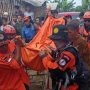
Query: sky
{"type": "Point", "coordinates": [78, 2]}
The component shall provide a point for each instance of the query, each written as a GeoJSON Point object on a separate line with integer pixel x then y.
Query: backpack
{"type": "Point", "coordinates": [82, 76]}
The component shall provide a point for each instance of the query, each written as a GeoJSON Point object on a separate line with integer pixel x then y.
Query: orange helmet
{"type": "Point", "coordinates": [87, 15]}
{"type": "Point", "coordinates": [8, 29]}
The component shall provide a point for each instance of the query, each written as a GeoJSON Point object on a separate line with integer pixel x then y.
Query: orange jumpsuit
{"type": "Point", "coordinates": [66, 60]}
{"type": "Point", "coordinates": [13, 76]}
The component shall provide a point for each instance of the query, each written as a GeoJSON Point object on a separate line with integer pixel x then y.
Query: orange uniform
{"type": "Point", "coordinates": [49, 63]}
{"type": "Point", "coordinates": [65, 61]}
{"type": "Point", "coordinates": [82, 31]}
{"type": "Point", "coordinates": [13, 76]}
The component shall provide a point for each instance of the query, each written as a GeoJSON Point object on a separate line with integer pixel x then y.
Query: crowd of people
{"type": "Point", "coordinates": [68, 63]}
{"type": "Point", "coordinates": [22, 22]}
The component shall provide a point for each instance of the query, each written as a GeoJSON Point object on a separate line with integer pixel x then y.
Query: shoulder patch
{"type": "Point", "coordinates": [64, 61]}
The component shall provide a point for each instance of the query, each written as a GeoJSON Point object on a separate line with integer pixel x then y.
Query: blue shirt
{"type": "Point", "coordinates": [28, 32]}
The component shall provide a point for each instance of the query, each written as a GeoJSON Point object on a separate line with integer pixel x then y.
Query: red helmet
{"type": "Point", "coordinates": [7, 34]}
{"type": "Point", "coordinates": [87, 15]}
{"type": "Point", "coordinates": [67, 15]}
{"type": "Point", "coordinates": [8, 29]}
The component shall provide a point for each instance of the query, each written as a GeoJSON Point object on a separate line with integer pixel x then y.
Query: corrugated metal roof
{"type": "Point", "coordinates": [35, 2]}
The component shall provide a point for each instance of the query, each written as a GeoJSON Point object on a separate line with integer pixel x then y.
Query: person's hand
{"type": "Point", "coordinates": [43, 53]}
{"type": "Point", "coordinates": [19, 41]}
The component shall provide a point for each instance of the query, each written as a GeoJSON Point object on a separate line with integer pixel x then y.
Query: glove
{"type": "Point", "coordinates": [18, 41]}
{"type": "Point", "coordinates": [43, 53]}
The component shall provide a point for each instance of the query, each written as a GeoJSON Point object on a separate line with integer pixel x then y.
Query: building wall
{"type": "Point", "coordinates": [9, 6]}
{"type": "Point", "coordinates": [38, 11]}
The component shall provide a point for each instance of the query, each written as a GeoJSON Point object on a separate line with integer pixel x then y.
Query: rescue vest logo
{"type": "Point", "coordinates": [55, 31]}
{"type": "Point", "coordinates": [64, 61]}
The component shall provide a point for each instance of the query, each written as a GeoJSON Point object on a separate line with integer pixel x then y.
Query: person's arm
{"type": "Point", "coordinates": [23, 35]}
{"type": "Point", "coordinates": [48, 63]}
{"type": "Point", "coordinates": [67, 60]}
{"type": "Point", "coordinates": [47, 60]}
{"type": "Point", "coordinates": [17, 55]}
{"type": "Point", "coordinates": [19, 43]}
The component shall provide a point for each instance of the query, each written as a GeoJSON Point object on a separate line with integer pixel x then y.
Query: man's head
{"type": "Point", "coordinates": [37, 20]}
{"type": "Point", "coordinates": [55, 13]}
{"type": "Point", "coordinates": [3, 43]}
{"type": "Point", "coordinates": [20, 18]}
{"type": "Point", "coordinates": [27, 20]}
{"type": "Point", "coordinates": [9, 31]}
{"type": "Point", "coordinates": [6, 35]}
{"type": "Point", "coordinates": [28, 9]}
{"type": "Point", "coordinates": [14, 18]}
{"type": "Point", "coordinates": [87, 21]}
{"type": "Point", "coordinates": [42, 19]}
{"type": "Point", "coordinates": [4, 21]}
{"type": "Point", "coordinates": [59, 36]}
{"type": "Point", "coordinates": [48, 11]}
{"type": "Point", "coordinates": [68, 18]}
{"type": "Point", "coordinates": [5, 14]}
{"type": "Point", "coordinates": [81, 15]}
{"type": "Point", "coordinates": [73, 28]}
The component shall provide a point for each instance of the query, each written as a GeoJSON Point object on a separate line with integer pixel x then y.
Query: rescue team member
{"type": "Point", "coordinates": [67, 18]}
{"type": "Point", "coordinates": [62, 62]}
{"type": "Point", "coordinates": [54, 14]}
{"type": "Point", "coordinates": [82, 46]}
{"type": "Point", "coordinates": [78, 41]}
{"type": "Point", "coordinates": [84, 29]}
{"type": "Point", "coordinates": [87, 25]}
{"type": "Point", "coordinates": [11, 33]}
{"type": "Point", "coordinates": [11, 73]}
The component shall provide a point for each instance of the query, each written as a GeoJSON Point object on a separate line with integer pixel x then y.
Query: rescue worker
{"type": "Point", "coordinates": [82, 46]}
{"type": "Point", "coordinates": [4, 23]}
{"type": "Point", "coordinates": [67, 18]}
{"type": "Point", "coordinates": [61, 62]}
{"type": "Point", "coordinates": [11, 72]}
{"type": "Point", "coordinates": [87, 25]}
{"type": "Point", "coordinates": [78, 41]}
{"type": "Point", "coordinates": [84, 29]}
{"type": "Point", "coordinates": [54, 14]}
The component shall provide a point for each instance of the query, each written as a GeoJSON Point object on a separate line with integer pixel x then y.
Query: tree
{"type": "Point", "coordinates": [86, 4]}
{"type": "Point", "coordinates": [81, 8]}
{"type": "Point", "coordinates": [64, 5]}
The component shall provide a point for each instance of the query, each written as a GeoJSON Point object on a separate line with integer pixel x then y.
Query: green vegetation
{"type": "Point", "coordinates": [65, 5]}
